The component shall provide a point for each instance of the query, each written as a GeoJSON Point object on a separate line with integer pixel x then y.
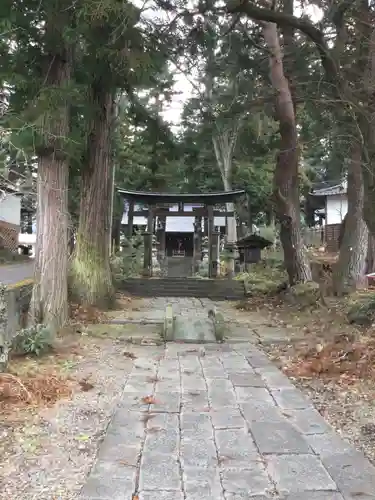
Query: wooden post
{"type": "Point", "coordinates": [130, 218]}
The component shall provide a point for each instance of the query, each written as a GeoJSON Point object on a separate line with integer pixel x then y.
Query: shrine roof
{"type": "Point", "coordinates": [150, 198]}
{"type": "Point", "coordinates": [253, 241]}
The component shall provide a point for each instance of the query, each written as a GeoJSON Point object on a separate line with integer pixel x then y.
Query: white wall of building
{"type": "Point", "coordinates": [336, 208]}
{"type": "Point", "coordinates": [173, 224]}
{"type": "Point", "coordinates": [10, 209]}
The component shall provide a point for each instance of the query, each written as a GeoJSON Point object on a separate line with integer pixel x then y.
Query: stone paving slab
{"type": "Point", "coordinates": [220, 422]}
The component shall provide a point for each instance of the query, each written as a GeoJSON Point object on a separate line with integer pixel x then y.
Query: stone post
{"type": "Point", "coordinates": [155, 265]}
{"type": "Point", "coordinates": [210, 214]}
{"type": "Point", "coordinates": [197, 249]}
{"type": "Point", "coordinates": [215, 254]}
{"type": "Point", "coordinates": [232, 258]}
{"type": "Point", "coordinates": [147, 258]}
{"type": "Point", "coordinates": [147, 261]}
{"type": "Point", "coordinates": [205, 249]}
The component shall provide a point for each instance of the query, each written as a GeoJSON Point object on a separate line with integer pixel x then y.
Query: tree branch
{"type": "Point", "coordinates": [282, 19]}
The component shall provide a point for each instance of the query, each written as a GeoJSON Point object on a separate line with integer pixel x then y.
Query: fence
{"type": "Point", "coordinates": [327, 236]}
{"type": "Point", "coordinates": [314, 236]}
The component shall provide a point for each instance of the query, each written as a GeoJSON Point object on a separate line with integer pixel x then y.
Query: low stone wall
{"type": "Point", "coordinates": [14, 307]}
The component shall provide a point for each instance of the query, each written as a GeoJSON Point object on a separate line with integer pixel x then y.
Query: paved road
{"type": "Point", "coordinates": [220, 422]}
{"type": "Point", "coordinates": [16, 272]}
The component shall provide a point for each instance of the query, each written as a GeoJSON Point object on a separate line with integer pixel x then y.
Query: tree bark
{"type": "Point", "coordinates": [286, 188]}
{"type": "Point", "coordinates": [358, 107]}
{"type": "Point", "coordinates": [370, 261]}
{"type": "Point", "coordinates": [91, 272]}
{"type": "Point", "coordinates": [368, 132]}
{"type": "Point", "coordinates": [49, 303]}
{"type": "Point", "coordinates": [350, 269]}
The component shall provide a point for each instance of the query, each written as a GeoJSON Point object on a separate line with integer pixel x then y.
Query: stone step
{"type": "Point", "coordinates": [180, 287]}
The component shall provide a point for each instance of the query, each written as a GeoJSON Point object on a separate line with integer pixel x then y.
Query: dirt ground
{"type": "Point", "coordinates": [54, 410]}
{"type": "Point", "coordinates": [334, 364]}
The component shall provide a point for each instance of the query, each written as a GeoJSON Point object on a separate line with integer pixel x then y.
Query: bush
{"type": "Point", "coordinates": [361, 309]}
{"type": "Point", "coordinates": [35, 340]}
{"type": "Point", "coordinates": [129, 262]}
{"type": "Point", "coordinates": [304, 294]}
{"type": "Point", "coordinates": [203, 270]}
{"type": "Point", "coordinates": [263, 279]}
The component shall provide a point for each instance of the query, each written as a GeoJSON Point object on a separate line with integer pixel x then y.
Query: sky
{"type": "Point", "coordinates": [183, 87]}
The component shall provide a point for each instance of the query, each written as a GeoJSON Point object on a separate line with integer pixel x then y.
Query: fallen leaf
{"type": "Point", "coordinates": [129, 355]}
{"type": "Point", "coordinates": [149, 400]}
{"type": "Point", "coordinates": [125, 462]}
{"type": "Point", "coordinates": [85, 386]}
{"type": "Point", "coordinates": [82, 437]}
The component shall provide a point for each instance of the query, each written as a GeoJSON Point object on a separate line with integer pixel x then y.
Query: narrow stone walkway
{"type": "Point", "coordinates": [220, 422]}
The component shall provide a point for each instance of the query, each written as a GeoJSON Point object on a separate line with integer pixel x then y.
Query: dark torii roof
{"type": "Point", "coordinates": [150, 198]}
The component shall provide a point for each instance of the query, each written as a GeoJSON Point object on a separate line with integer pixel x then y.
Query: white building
{"type": "Point", "coordinates": [335, 202]}
{"type": "Point", "coordinates": [173, 224]}
{"type": "Point", "coordinates": [330, 205]}
{"type": "Point", "coordinates": [10, 218]}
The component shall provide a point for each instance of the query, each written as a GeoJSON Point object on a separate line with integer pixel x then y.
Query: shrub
{"type": "Point", "coordinates": [35, 340]}
{"type": "Point", "coordinates": [263, 279]}
{"type": "Point", "coordinates": [361, 309]}
{"type": "Point", "coordinates": [203, 270]}
{"type": "Point", "coordinates": [304, 294]}
{"type": "Point", "coordinates": [129, 262]}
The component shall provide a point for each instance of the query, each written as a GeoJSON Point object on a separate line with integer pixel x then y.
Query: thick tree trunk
{"type": "Point", "coordinates": [49, 303]}
{"type": "Point", "coordinates": [370, 261]}
{"type": "Point", "coordinates": [231, 221]}
{"type": "Point", "coordinates": [351, 266]}
{"type": "Point", "coordinates": [224, 148]}
{"type": "Point", "coordinates": [91, 272]}
{"type": "Point", "coordinates": [50, 293]}
{"type": "Point", "coordinates": [368, 132]}
{"type": "Point", "coordinates": [286, 188]}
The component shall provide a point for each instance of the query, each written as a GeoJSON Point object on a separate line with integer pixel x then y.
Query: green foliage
{"type": "Point", "coordinates": [129, 262]}
{"type": "Point", "coordinates": [35, 340]}
{"type": "Point", "coordinates": [264, 279]}
{"type": "Point", "coordinates": [268, 232]}
{"type": "Point", "coordinates": [361, 309]}
{"type": "Point", "coordinates": [304, 295]}
{"type": "Point", "coordinates": [203, 270]}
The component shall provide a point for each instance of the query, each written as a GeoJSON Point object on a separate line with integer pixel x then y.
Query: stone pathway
{"type": "Point", "coordinates": [220, 422]}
